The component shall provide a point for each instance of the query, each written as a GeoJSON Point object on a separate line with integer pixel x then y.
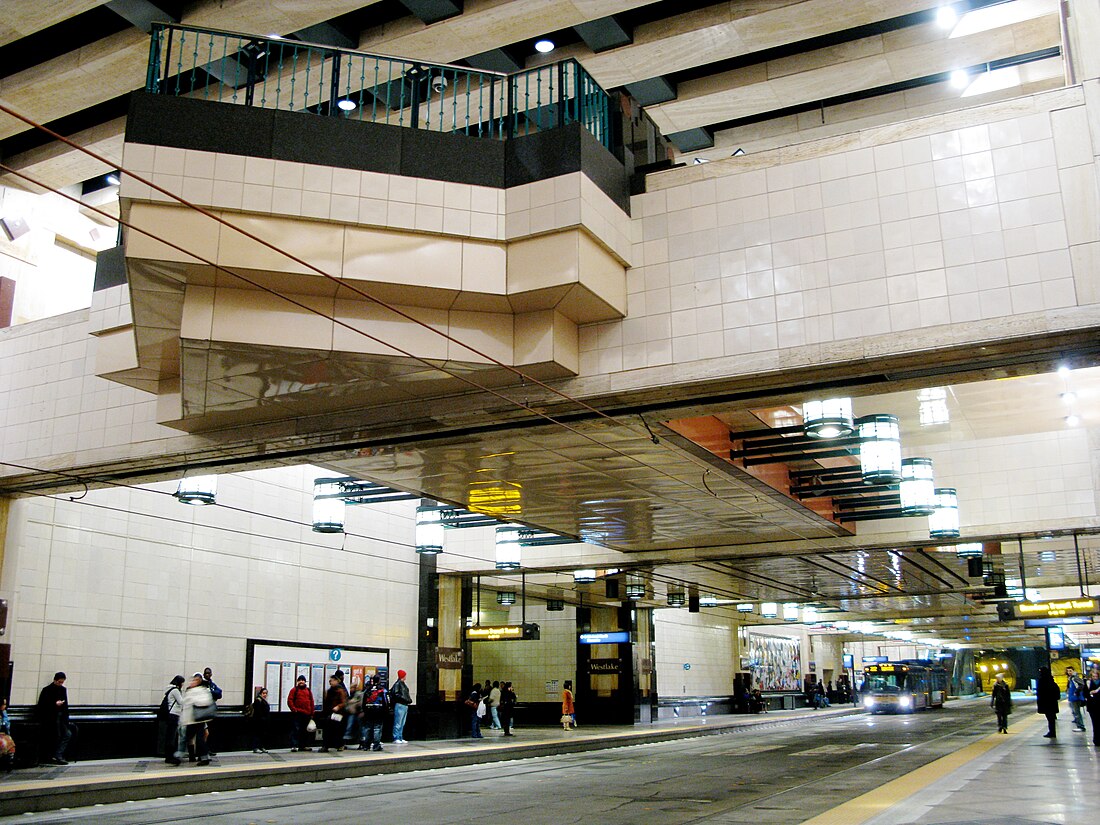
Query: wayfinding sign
{"type": "Point", "coordinates": [1056, 609]}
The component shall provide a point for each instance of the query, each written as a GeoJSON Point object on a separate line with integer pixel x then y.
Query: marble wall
{"type": "Point", "coordinates": [124, 588]}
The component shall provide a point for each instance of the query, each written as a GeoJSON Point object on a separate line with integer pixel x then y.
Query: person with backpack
{"type": "Point", "coordinates": [259, 714]}
{"type": "Point", "coordinates": [507, 708]}
{"type": "Point", "coordinates": [301, 704]}
{"type": "Point", "coordinates": [375, 704]}
{"type": "Point", "coordinates": [168, 721]}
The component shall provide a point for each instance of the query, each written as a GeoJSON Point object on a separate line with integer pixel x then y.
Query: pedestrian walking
{"type": "Point", "coordinates": [198, 709]}
{"type": "Point", "coordinates": [400, 698]}
{"type": "Point", "coordinates": [168, 720]}
{"type": "Point", "coordinates": [1001, 702]}
{"type": "Point", "coordinates": [1075, 695]}
{"type": "Point", "coordinates": [301, 705]}
{"type": "Point", "coordinates": [568, 706]}
{"type": "Point", "coordinates": [1047, 694]}
{"type": "Point", "coordinates": [494, 705]}
{"type": "Point", "coordinates": [53, 716]}
{"type": "Point", "coordinates": [260, 720]}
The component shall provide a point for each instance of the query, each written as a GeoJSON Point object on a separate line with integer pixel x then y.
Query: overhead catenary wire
{"type": "Point", "coordinates": [342, 284]}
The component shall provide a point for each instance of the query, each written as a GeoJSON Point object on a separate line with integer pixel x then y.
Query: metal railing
{"type": "Point", "coordinates": [291, 75]}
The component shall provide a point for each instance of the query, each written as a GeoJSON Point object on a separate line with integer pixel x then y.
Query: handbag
{"type": "Point", "coordinates": [204, 713]}
{"type": "Point", "coordinates": [471, 704]}
{"type": "Point", "coordinates": [311, 727]}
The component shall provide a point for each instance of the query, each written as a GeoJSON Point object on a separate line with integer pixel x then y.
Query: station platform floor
{"type": "Point", "coordinates": [1008, 779]}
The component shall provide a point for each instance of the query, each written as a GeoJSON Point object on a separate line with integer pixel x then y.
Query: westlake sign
{"type": "Point", "coordinates": [1056, 609]}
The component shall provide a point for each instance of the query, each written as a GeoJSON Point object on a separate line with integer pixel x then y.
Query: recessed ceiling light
{"type": "Point", "coordinates": [960, 78]}
{"type": "Point", "coordinates": [1068, 396]}
{"type": "Point", "coordinates": [544, 46]}
{"type": "Point", "coordinates": [1072, 420]}
{"type": "Point", "coordinates": [946, 17]}
{"type": "Point", "coordinates": [1064, 370]}
{"type": "Point", "coordinates": [345, 105]}
{"type": "Point", "coordinates": [113, 179]}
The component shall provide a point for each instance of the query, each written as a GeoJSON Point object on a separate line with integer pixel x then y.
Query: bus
{"type": "Point", "coordinates": [903, 687]}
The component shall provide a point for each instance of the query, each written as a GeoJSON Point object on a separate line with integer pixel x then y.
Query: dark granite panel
{"type": "Point", "coordinates": [186, 123]}
{"type": "Point", "coordinates": [543, 155]}
{"type": "Point", "coordinates": [605, 170]}
{"type": "Point", "coordinates": [110, 268]}
{"type": "Point", "coordinates": [336, 141]}
{"type": "Point", "coordinates": [454, 158]}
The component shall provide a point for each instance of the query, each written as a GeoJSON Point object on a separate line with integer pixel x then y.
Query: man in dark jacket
{"type": "Point", "coordinates": [401, 699]}
{"type": "Point", "coordinates": [53, 715]}
{"type": "Point", "coordinates": [375, 705]}
{"type": "Point", "coordinates": [1047, 694]}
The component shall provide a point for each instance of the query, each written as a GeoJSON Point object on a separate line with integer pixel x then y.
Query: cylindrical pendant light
{"type": "Point", "coordinates": [328, 506]}
{"type": "Point", "coordinates": [880, 449]}
{"type": "Point", "coordinates": [506, 597]}
{"type": "Point", "coordinates": [428, 531]}
{"type": "Point", "coordinates": [918, 489]}
{"type": "Point", "coordinates": [769, 610]}
{"type": "Point", "coordinates": [676, 597]}
{"type": "Point", "coordinates": [507, 547]}
{"type": "Point", "coordinates": [790, 612]}
{"type": "Point", "coordinates": [197, 490]}
{"type": "Point", "coordinates": [708, 600]}
{"type": "Point", "coordinates": [555, 600]}
{"type": "Point", "coordinates": [744, 607]}
{"type": "Point", "coordinates": [944, 521]}
{"type": "Point", "coordinates": [585, 576]}
{"type": "Point", "coordinates": [971, 550]}
{"type": "Point", "coordinates": [635, 586]}
{"type": "Point", "coordinates": [831, 418]}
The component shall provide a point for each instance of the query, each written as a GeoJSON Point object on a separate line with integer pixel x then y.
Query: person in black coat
{"type": "Point", "coordinates": [53, 716]}
{"type": "Point", "coordinates": [1092, 702]}
{"type": "Point", "coordinates": [1001, 702]}
{"type": "Point", "coordinates": [261, 720]}
{"type": "Point", "coordinates": [1047, 694]}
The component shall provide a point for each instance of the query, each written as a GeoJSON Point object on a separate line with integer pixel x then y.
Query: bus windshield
{"type": "Point", "coordinates": [882, 681]}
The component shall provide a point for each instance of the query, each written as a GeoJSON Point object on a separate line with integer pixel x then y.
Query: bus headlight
{"type": "Point", "coordinates": [904, 701]}
{"type": "Point", "coordinates": [869, 702]}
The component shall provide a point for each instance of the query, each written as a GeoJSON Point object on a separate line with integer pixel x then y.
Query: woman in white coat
{"type": "Point", "coordinates": [198, 709]}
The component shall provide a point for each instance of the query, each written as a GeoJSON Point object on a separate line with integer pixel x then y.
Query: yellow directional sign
{"type": "Point", "coordinates": [1056, 609]}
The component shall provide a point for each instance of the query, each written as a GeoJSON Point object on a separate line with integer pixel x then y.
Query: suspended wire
{"type": "Point", "coordinates": [814, 540]}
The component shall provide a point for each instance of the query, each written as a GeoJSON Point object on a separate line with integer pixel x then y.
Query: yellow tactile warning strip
{"type": "Point", "coordinates": [862, 808]}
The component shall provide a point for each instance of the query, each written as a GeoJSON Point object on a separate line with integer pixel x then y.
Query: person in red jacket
{"type": "Point", "coordinates": [301, 704]}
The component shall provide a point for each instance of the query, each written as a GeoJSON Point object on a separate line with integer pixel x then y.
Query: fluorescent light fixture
{"type": "Point", "coordinates": [328, 506]}
{"type": "Point", "coordinates": [544, 46]}
{"type": "Point", "coordinates": [428, 532]}
{"type": "Point", "coordinates": [345, 105]}
{"type": "Point", "coordinates": [585, 576]}
{"type": "Point", "coordinates": [769, 610]}
{"type": "Point", "coordinates": [790, 612]}
{"type": "Point", "coordinates": [708, 600]}
{"type": "Point", "coordinates": [960, 79]}
{"type": "Point", "coordinates": [997, 15]}
{"type": "Point", "coordinates": [744, 607]}
{"type": "Point", "coordinates": [994, 81]}
{"type": "Point", "coordinates": [508, 547]}
{"type": "Point", "coordinates": [946, 17]}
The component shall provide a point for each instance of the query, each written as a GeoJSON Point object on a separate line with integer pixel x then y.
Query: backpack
{"type": "Point", "coordinates": [162, 711]}
{"type": "Point", "coordinates": [248, 710]}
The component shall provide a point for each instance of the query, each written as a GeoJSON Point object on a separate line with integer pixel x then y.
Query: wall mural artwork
{"type": "Point", "coordinates": [775, 662]}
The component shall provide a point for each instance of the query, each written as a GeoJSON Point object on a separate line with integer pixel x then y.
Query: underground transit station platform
{"type": "Point", "coordinates": [595, 411]}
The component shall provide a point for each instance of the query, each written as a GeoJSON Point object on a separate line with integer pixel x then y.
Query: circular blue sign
{"type": "Point", "coordinates": [687, 666]}
{"type": "Point", "coordinates": [335, 654]}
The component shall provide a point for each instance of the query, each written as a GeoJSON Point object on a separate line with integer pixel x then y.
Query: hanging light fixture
{"type": "Point", "coordinates": [970, 550]}
{"type": "Point", "coordinates": [790, 612]}
{"type": "Point", "coordinates": [507, 546]}
{"type": "Point", "coordinates": [831, 418]}
{"type": "Point", "coordinates": [328, 506]}
{"type": "Point", "coordinates": [880, 449]}
{"type": "Point", "coordinates": [708, 600]}
{"type": "Point", "coordinates": [676, 597]}
{"type": "Point", "coordinates": [944, 521]}
{"type": "Point", "coordinates": [635, 586]}
{"type": "Point", "coordinates": [809, 615]}
{"type": "Point", "coordinates": [506, 597]}
{"type": "Point", "coordinates": [555, 600]}
{"type": "Point", "coordinates": [428, 531]}
{"type": "Point", "coordinates": [197, 490]}
{"type": "Point", "coordinates": [769, 610]}
{"type": "Point", "coordinates": [585, 576]}
{"type": "Point", "coordinates": [918, 489]}
{"type": "Point", "coordinates": [744, 607]}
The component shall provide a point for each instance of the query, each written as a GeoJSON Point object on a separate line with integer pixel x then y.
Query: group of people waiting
{"type": "Point", "coordinates": [492, 703]}
{"type": "Point", "coordinates": [1082, 695]}
{"type": "Point", "coordinates": [358, 716]}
